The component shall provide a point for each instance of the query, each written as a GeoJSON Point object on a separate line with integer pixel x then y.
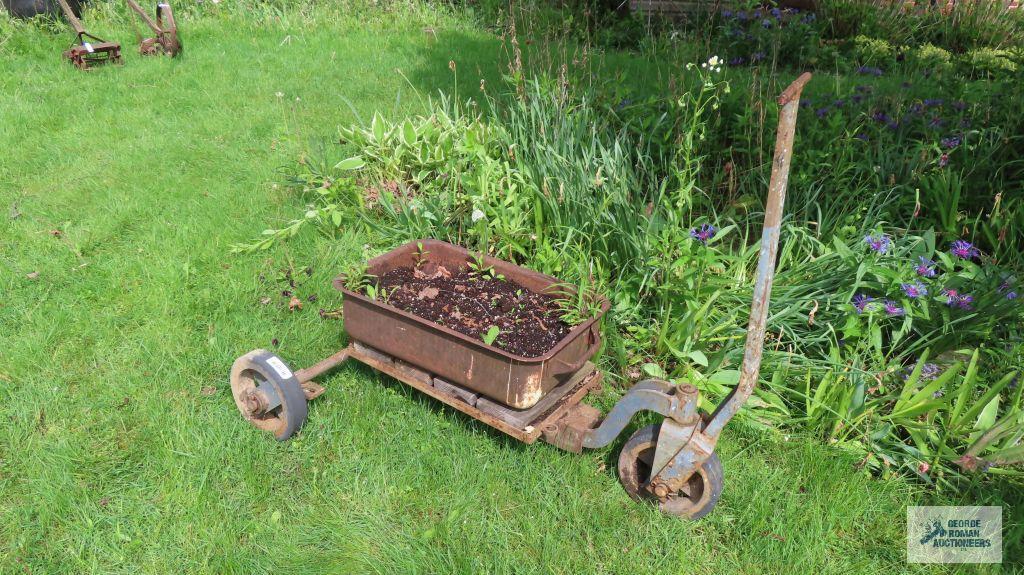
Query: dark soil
{"type": "Point", "coordinates": [530, 323]}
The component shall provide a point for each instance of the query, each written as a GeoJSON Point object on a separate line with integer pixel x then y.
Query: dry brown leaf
{"type": "Point", "coordinates": [294, 304]}
{"type": "Point", "coordinates": [32, 276]}
{"type": "Point", "coordinates": [428, 293]}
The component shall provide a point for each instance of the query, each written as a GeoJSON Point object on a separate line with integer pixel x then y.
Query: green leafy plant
{"type": "Point", "coordinates": [491, 335]}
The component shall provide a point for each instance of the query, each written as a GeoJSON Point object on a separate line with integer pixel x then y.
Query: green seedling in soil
{"type": "Point", "coordinates": [419, 256]}
{"type": "Point", "coordinates": [491, 335]}
{"type": "Point", "coordinates": [480, 268]}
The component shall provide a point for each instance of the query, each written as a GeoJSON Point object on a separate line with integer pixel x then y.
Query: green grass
{"type": "Point", "coordinates": [120, 448]}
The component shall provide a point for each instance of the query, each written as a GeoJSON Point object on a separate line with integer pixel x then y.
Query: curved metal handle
{"type": "Point", "coordinates": [790, 102]}
{"type": "Point", "coordinates": [592, 334]}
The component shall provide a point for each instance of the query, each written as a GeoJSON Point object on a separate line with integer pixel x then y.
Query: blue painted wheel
{"type": "Point", "coordinates": [694, 501]}
{"type": "Point", "coordinates": [268, 394]}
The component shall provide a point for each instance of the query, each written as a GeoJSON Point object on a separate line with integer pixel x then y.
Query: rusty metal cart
{"type": "Point", "coordinates": [672, 463]}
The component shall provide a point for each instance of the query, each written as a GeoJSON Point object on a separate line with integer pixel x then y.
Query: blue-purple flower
{"type": "Point", "coordinates": [925, 267]}
{"type": "Point", "coordinates": [936, 122]}
{"type": "Point", "coordinates": [933, 102]}
{"type": "Point", "coordinates": [821, 112]}
{"type": "Point", "coordinates": [880, 243]}
{"type": "Point", "coordinates": [704, 233]}
{"type": "Point", "coordinates": [943, 160]}
{"type": "Point", "coordinates": [957, 299]}
{"type": "Point", "coordinates": [862, 137]}
{"type": "Point", "coordinates": [1007, 289]}
{"type": "Point", "coordinates": [929, 372]}
{"type": "Point", "coordinates": [892, 308]}
{"type": "Point", "coordinates": [914, 290]}
{"type": "Point", "coordinates": [881, 117]}
{"type": "Point", "coordinates": [870, 70]}
{"type": "Point", "coordinates": [766, 23]}
{"type": "Point", "coordinates": [951, 142]}
{"type": "Point", "coordinates": [964, 250]}
{"type": "Point", "coordinates": [861, 302]}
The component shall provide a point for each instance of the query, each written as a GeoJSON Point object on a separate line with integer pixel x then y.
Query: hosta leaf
{"type": "Point", "coordinates": [353, 163]}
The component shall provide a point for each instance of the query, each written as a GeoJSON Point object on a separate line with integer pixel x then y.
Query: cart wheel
{"type": "Point", "coordinates": [695, 501]}
{"type": "Point", "coordinates": [268, 394]}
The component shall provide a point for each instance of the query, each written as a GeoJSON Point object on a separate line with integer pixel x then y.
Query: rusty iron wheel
{"type": "Point", "coordinates": [260, 368]}
{"type": "Point", "coordinates": [695, 501]}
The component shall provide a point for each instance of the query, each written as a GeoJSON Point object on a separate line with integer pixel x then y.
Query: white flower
{"type": "Point", "coordinates": [478, 215]}
{"type": "Point", "coordinates": [714, 61]}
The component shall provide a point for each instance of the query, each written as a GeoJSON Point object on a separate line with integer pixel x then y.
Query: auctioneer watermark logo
{"type": "Point", "coordinates": [954, 534]}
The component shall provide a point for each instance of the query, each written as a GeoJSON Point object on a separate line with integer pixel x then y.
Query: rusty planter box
{"type": "Point", "coordinates": [516, 381]}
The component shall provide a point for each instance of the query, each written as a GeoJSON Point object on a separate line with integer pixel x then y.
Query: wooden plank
{"type": "Point", "coordinates": [422, 381]}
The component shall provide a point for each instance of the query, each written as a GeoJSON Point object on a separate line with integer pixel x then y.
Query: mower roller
{"type": "Point", "coordinates": [672, 464]}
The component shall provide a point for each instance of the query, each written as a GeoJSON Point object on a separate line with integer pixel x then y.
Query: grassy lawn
{"type": "Point", "coordinates": [121, 450]}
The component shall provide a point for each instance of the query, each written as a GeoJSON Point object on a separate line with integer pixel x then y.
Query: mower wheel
{"type": "Point", "coordinates": [261, 368]}
{"type": "Point", "coordinates": [693, 502]}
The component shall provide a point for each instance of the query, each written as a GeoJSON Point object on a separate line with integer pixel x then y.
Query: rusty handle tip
{"type": "Point", "coordinates": [793, 91]}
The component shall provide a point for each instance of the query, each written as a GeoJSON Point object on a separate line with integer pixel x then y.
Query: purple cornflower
{"type": "Point", "coordinates": [839, 103]}
{"type": "Point", "coordinates": [892, 308]}
{"type": "Point", "coordinates": [936, 123]}
{"type": "Point", "coordinates": [726, 13]}
{"type": "Point", "coordinates": [1005, 288]}
{"type": "Point", "coordinates": [776, 12]}
{"type": "Point", "coordinates": [870, 70]}
{"type": "Point", "coordinates": [880, 244]}
{"type": "Point", "coordinates": [704, 233]}
{"type": "Point", "coordinates": [943, 160]}
{"type": "Point", "coordinates": [916, 108]}
{"type": "Point", "coordinates": [861, 302]}
{"type": "Point", "coordinates": [932, 102]}
{"type": "Point", "coordinates": [951, 142]}
{"type": "Point", "coordinates": [757, 56]}
{"type": "Point", "coordinates": [929, 372]}
{"type": "Point", "coordinates": [737, 61]}
{"type": "Point", "coordinates": [766, 23]}
{"type": "Point", "coordinates": [964, 250]}
{"type": "Point", "coordinates": [925, 267]}
{"type": "Point", "coordinates": [960, 300]}
{"type": "Point", "coordinates": [892, 125]}
{"type": "Point", "coordinates": [914, 290]}
{"type": "Point", "coordinates": [821, 112]}
{"type": "Point", "coordinates": [862, 137]}
{"type": "Point", "coordinates": [881, 117]}
{"type": "Point", "coordinates": [857, 98]}
{"type": "Point", "coordinates": [742, 15]}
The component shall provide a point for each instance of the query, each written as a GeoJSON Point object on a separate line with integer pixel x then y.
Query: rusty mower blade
{"type": "Point", "coordinates": [166, 39]}
{"type": "Point", "coordinates": [89, 51]}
